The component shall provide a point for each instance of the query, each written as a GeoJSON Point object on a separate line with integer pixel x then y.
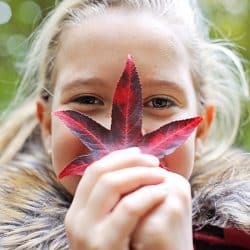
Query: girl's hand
{"type": "Point", "coordinates": [111, 198]}
{"type": "Point", "coordinates": [169, 226]}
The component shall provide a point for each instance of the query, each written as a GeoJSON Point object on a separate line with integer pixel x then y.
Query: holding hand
{"type": "Point", "coordinates": [169, 226]}
{"type": "Point", "coordinates": [114, 194]}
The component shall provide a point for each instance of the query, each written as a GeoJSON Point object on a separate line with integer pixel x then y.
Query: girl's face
{"type": "Point", "coordinates": [90, 60]}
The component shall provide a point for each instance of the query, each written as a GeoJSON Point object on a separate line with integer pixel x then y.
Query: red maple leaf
{"type": "Point", "coordinates": [126, 127]}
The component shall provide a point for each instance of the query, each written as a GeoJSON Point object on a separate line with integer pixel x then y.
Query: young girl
{"type": "Point", "coordinates": [124, 200]}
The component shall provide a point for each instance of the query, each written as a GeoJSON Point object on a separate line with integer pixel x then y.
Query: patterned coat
{"type": "Point", "coordinates": [33, 204]}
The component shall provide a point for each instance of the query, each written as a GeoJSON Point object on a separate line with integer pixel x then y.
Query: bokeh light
{"type": "Point", "coordinates": [3, 41]}
{"type": "Point", "coordinates": [29, 12]}
{"type": "Point", "coordinates": [15, 45]}
{"type": "Point", "coordinates": [5, 12]}
{"type": "Point", "coordinates": [236, 7]}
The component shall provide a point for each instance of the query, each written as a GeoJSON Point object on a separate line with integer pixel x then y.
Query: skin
{"type": "Point", "coordinates": [125, 194]}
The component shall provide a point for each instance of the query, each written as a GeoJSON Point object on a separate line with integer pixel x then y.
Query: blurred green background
{"type": "Point", "coordinates": [18, 18]}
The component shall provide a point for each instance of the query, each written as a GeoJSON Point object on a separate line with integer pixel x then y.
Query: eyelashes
{"type": "Point", "coordinates": [88, 100]}
{"type": "Point", "coordinates": [154, 103]}
{"type": "Point", "coordinates": [160, 103]}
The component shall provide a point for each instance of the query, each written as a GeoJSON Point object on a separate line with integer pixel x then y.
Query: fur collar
{"type": "Point", "coordinates": [33, 203]}
{"type": "Point", "coordinates": [33, 206]}
{"type": "Point", "coordinates": [221, 192]}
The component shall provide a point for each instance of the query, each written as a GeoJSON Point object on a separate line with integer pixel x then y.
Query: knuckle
{"type": "Point", "coordinates": [154, 227]}
{"type": "Point", "coordinates": [186, 185]}
{"type": "Point", "coordinates": [130, 208]}
{"type": "Point", "coordinates": [108, 182]}
{"type": "Point", "coordinates": [182, 190]}
{"type": "Point", "coordinates": [156, 235]}
{"type": "Point", "coordinates": [71, 229]}
{"type": "Point", "coordinates": [94, 171]}
{"type": "Point", "coordinates": [78, 239]}
{"type": "Point", "coordinates": [68, 222]}
{"type": "Point", "coordinates": [184, 196]}
{"type": "Point", "coordinates": [181, 180]}
{"type": "Point", "coordinates": [94, 245]}
{"type": "Point", "coordinates": [88, 171]}
{"type": "Point", "coordinates": [136, 160]}
{"type": "Point", "coordinates": [176, 209]}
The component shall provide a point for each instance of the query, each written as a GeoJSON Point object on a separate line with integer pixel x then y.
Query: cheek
{"type": "Point", "coordinates": [65, 148]}
{"type": "Point", "coordinates": [182, 160]}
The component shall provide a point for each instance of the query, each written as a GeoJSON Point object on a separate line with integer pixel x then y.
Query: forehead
{"type": "Point", "coordinates": [124, 33]}
{"type": "Point", "coordinates": [119, 27]}
{"type": "Point", "coordinates": [99, 45]}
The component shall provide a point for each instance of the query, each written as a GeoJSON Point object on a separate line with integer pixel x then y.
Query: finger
{"type": "Point", "coordinates": [132, 208]}
{"type": "Point", "coordinates": [169, 222]}
{"type": "Point", "coordinates": [178, 186]}
{"type": "Point", "coordinates": [170, 219]}
{"type": "Point", "coordinates": [114, 161]}
{"type": "Point", "coordinates": [112, 186]}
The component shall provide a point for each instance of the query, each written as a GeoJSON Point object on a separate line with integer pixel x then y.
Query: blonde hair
{"type": "Point", "coordinates": [217, 70]}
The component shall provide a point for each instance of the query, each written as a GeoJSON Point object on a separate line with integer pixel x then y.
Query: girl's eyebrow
{"type": "Point", "coordinates": [177, 87]}
{"type": "Point", "coordinates": [80, 82]}
{"type": "Point", "coordinates": [161, 84]}
{"type": "Point", "coordinates": [165, 86]}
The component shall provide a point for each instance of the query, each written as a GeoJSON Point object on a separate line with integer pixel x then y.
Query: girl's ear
{"type": "Point", "coordinates": [203, 129]}
{"type": "Point", "coordinates": [44, 118]}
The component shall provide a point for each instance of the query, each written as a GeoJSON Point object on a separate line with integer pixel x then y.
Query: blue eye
{"type": "Point", "coordinates": [88, 100]}
{"type": "Point", "coordinates": [160, 103]}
